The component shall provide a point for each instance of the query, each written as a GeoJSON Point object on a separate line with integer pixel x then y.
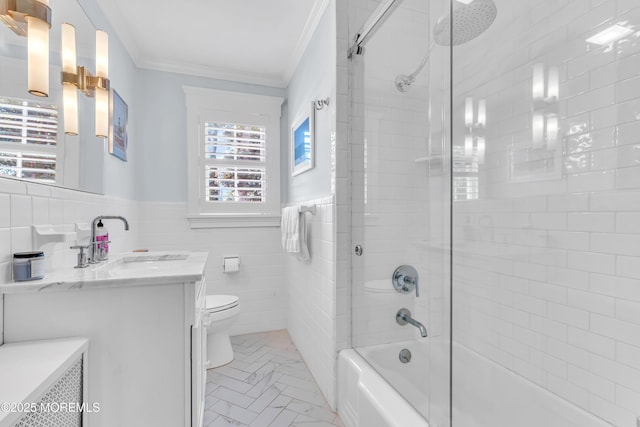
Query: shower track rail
{"type": "Point", "coordinates": [371, 25]}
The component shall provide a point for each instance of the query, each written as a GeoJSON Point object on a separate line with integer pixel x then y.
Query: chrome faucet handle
{"type": "Point", "coordinates": [99, 250]}
{"type": "Point", "coordinates": [405, 280]}
{"type": "Point", "coordinates": [82, 257]}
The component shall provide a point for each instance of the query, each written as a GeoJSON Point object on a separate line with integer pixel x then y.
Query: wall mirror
{"type": "Point", "coordinates": [42, 152]}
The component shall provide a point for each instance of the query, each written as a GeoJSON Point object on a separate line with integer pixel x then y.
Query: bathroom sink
{"type": "Point", "coordinates": [147, 264]}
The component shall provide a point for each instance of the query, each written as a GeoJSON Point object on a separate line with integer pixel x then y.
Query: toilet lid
{"type": "Point", "coordinates": [221, 302]}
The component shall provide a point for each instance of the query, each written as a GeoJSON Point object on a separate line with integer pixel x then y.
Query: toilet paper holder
{"type": "Point", "coordinates": [231, 264]}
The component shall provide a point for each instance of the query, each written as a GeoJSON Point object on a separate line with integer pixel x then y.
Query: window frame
{"type": "Point", "coordinates": [206, 105]}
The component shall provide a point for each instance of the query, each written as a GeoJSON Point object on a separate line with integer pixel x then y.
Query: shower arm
{"type": "Point", "coordinates": [412, 76]}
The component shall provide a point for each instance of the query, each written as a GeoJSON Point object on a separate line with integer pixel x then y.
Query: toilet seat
{"type": "Point", "coordinates": [216, 303]}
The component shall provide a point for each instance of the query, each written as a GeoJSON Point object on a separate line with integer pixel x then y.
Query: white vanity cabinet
{"type": "Point", "coordinates": [145, 342]}
{"type": "Point", "coordinates": [198, 359]}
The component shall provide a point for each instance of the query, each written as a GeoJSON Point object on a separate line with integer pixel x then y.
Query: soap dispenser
{"type": "Point", "coordinates": [102, 240]}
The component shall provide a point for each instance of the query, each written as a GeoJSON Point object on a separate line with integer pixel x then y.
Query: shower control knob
{"type": "Point", "coordinates": [405, 280]}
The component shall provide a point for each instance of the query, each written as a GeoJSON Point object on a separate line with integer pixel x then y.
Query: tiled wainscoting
{"type": "Point", "coordinates": [258, 284]}
{"type": "Point", "coordinates": [266, 385]}
{"type": "Point", "coordinates": [27, 204]}
{"type": "Point", "coordinates": [317, 307]}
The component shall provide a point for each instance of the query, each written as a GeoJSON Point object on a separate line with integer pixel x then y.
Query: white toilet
{"type": "Point", "coordinates": [222, 311]}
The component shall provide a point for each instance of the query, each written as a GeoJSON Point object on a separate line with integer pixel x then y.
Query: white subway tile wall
{"type": "Point", "coordinates": [314, 299]}
{"type": "Point", "coordinates": [163, 226]}
{"type": "Point", "coordinates": [25, 204]}
{"type": "Point", "coordinates": [547, 270]}
{"type": "Point", "coordinates": [258, 284]}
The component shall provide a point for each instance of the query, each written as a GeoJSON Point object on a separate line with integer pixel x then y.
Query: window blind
{"type": "Point", "coordinates": [28, 138]}
{"type": "Point", "coordinates": [235, 162]}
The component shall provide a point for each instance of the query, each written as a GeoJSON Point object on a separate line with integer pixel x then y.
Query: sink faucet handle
{"type": "Point", "coordinates": [82, 257]}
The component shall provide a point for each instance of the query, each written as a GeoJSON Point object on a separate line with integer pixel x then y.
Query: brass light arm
{"type": "Point", "coordinates": [14, 12]}
{"type": "Point", "coordinates": [85, 81]}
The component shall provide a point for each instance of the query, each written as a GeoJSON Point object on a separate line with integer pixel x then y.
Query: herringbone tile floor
{"type": "Point", "coordinates": [266, 385]}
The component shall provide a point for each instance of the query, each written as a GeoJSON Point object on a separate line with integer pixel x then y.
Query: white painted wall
{"type": "Point", "coordinates": [161, 179]}
{"type": "Point", "coordinates": [314, 79]}
{"type": "Point", "coordinates": [119, 177]}
{"type": "Point", "coordinates": [163, 196]}
{"type": "Point", "coordinates": [162, 172]}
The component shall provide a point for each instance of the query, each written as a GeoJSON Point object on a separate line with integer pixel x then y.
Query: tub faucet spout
{"type": "Point", "coordinates": [404, 316]}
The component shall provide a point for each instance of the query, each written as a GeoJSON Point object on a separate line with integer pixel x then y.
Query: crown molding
{"type": "Point", "coordinates": [309, 28]}
{"type": "Point", "coordinates": [112, 12]}
{"type": "Point", "coordinates": [212, 72]}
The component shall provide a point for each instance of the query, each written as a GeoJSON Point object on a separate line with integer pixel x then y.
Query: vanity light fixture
{"type": "Point", "coordinates": [475, 121]}
{"type": "Point", "coordinates": [78, 77]}
{"type": "Point", "coordinates": [31, 18]}
{"type": "Point", "coordinates": [102, 86]}
{"type": "Point", "coordinates": [545, 96]}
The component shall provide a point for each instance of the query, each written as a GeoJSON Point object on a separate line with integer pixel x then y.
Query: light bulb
{"type": "Point", "coordinates": [102, 95]}
{"type": "Point", "coordinates": [69, 90]}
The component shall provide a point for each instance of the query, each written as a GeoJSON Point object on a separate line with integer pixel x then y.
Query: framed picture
{"type": "Point", "coordinates": [118, 139]}
{"type": "Point", "coordinates": [303, 142]}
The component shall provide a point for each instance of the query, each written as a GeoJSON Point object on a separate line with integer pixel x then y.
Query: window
{"type": "Point", "coordinates": [234, 158]}
{"type": "Point", "coordinates": [28, 137]}
{"type": "Point", "coordinates": [465, 175]}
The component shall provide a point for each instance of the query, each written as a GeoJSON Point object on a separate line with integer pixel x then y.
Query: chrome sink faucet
{"type": "Point", "coordinates": [404, 316]}
{"type": "Point", "coordinates": [98, 254]}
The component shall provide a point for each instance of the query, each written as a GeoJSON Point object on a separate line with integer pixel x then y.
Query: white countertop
{"type": "Point", "coordinates": [182, 267]}
{"type": "Point", "coordinates": [29, 369]}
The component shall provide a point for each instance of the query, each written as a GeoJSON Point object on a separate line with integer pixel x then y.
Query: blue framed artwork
{"type": "Point", "coordinates": [303, 142]}
{"type": "Point", "coordinates": [118, 138]}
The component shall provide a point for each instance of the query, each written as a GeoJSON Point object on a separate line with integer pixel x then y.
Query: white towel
{"type": "Point", "coordinates": [293, 226]}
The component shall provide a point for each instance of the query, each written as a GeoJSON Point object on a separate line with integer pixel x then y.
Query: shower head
{"type": "Point", "coordinates": [469, 21]}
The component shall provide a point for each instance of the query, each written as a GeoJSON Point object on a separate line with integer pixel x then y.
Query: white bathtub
{"type": "Point", "coordinates": [365, 399]}
{"type": "Point", "coordinates": [409, 379]}
{"type": "Point", "coordinates": [484, 393]}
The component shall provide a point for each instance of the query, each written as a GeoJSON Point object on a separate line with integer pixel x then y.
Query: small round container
{"type": "Point", "coordinates": [28, 266]}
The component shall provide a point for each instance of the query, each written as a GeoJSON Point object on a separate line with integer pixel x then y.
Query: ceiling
{"type": "Point", "coordinates": [251, 41]}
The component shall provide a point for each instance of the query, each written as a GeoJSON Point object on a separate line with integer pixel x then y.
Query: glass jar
{"type": "Point", "coordinates": [28, 266]}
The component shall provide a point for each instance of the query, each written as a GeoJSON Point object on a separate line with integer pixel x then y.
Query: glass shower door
{"type": "Point", "coordinates": [400, 203]}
